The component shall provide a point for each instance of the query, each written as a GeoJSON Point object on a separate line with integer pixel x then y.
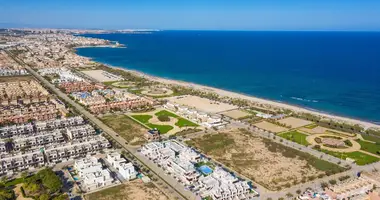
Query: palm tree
{"type": "Point", "coordinates": [289, 195]}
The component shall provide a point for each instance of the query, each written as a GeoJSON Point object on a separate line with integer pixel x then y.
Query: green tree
{"type": "Point", "coordinates": [6, 194]}
{"type": "Point", "coordinates": [61, 197]}
{"type": "Point", "coordinates": [44, 197]}
{"type": "Point", "coordinates": [289, 195]}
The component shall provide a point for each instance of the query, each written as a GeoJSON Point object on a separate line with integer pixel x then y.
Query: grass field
{"type": "Point", "coordinates": [359, 157]}
{"type": "Point", "coordinates": [311, 126]}
{"type": "Point", "coordinates": [182, 122]}
{"type": "Point", "coordinates": [163, 128]}
{"type": "Point", "coordinates": [295, 136]}
{"type": "Point", "coordinates": [125, 127]}
{"type": "Point", "coordinates": [166, 113]}
{"type": "Point", "coordinates": [145, 120]}
{"type": "Point", "coordinates": [142, 118]}
{"type": "Point", "coordinates": [369, 147]}
{"type": "Point", "coordinates": [371, 138]}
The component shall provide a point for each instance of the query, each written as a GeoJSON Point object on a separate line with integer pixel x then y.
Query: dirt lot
{"type": "Point", "coordinates": [133, 190]}
{"type": "Point", "coordinates": [270, 127]}
{"type": "Point", "coordinates": [127, 128]}
{"type": "Point", "coordinates": [270, 164]}
{"type": "Point", "coordinates": [294, 122]}
{"type": "Point", "coordinates": [202, 104]}
{"type": "Point", "coordinates": [323, 130]}
{"type": "Point", "coordinates": [236, 114]}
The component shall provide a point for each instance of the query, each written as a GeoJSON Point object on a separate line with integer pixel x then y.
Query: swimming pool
{"type": "Point", "coordinates": [205, 170]}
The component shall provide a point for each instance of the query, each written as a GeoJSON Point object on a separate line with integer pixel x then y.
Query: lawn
{"type": "Point", "coordinates": [311, 126]}
{"type": "Point", "coordinates": [142, 118]}
{"type": "Point", "coordinates": [162, 128]}
{"type": "Point", "coordinates": [184, 123]}
{"type": "Point", "coordinates": [167, 113]}
{"type": "Point", "coordinates": [371, 138]}
{"type": "Point", "coordinates": [295, 136]}
{"type": "Point", "coordinates": [14, 182]}
{"type": "Point", "coordinates": [181, 121]}
{"type": "Point", "coordinates": [359, 157]}
{"type": "Point", "coordinates": [369, 147]}
{"type": "Point", "coordinates": [145, 120]}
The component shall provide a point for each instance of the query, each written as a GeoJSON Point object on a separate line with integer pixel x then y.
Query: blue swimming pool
{"type": "Point", "coordinates": [204, 169]}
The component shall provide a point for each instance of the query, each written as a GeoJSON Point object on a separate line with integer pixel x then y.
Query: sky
{"type": "Point", "coordinates": [357, 15]}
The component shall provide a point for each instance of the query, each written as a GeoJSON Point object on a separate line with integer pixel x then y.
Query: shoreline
{"type": "Point", "coordinates": [232, 94]}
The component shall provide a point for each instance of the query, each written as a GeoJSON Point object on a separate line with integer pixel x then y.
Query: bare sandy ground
{"type": "Point", "coordinates": [355, 145]}
{"type": "Point", "coordinates": [101, 75]}
{"type": "Point", "coordinates": [249, 155]}
{"type": "Point", "coordinates": [201, 104]}
{"type": "Point", "coordinates": [295, 122]}
{"type": "Point", "coordinates": [253, 99]}
{"type": "Point", "coordinates": [322, 130]}
{"type": "Point", "coordinates": [235, 114]}
{"type": "Point", "coordinates": [270, 127]}
{"type": "Point", "coordinates": [133, 190]}
{"type": "Point", "coordinates": [18, 193]}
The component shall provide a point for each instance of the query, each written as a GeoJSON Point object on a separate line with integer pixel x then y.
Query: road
{"type": "Point", "coordinates": [178, 190]}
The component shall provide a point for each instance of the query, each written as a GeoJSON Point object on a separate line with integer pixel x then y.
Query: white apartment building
{"type": "Point", "coordinates": [179, 161]}
{"type": "Point", "coordinates": [79, 131]}
{"type": "Point", "coordinates": [19, 162]}
{"type": "Point", "coordinates": [75, 149]}
{"type": "Point", "coordinates": [92, 174]}
{"type": "Point", "coordinates": [125, 168]}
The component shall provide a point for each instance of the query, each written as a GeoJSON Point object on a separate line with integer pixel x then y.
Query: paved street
{"type": "Point", "coordinates": [178, 190]}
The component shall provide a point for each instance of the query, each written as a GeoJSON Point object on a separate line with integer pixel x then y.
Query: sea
{"type": "Point", "coordinates": [332, 72]}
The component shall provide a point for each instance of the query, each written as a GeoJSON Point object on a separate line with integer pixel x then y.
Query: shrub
{"type": "Point", "coordinates": [163, 118]}
{"type": "Point", "coordinates": [332, 181]}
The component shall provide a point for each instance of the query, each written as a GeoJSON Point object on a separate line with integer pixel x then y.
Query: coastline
{"type": "Point", "coordinates": [223, 92]}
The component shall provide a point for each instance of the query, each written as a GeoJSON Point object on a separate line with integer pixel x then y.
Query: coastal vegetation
{"type": "Point", "coordinates": [125, 127]}
{"type": "Point", "coordinates": [295, 136]}
{"type": "Point", "coordinates": [266, 162]}
{"type": "Point", "coordinates": [130, 190]}
{"type": "Point", "coordinates": [359, 157]}
{"type": "Point", "coordinates": [370, 147]}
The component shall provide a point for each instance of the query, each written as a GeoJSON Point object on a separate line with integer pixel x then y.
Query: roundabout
{"type": "Point", "coordinates": [331, 142]}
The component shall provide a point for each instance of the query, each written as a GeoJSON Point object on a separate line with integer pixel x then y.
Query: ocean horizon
{"type": "Point", "coordinates": [332, 72]}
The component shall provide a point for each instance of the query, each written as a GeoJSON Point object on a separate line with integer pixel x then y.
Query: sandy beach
{"type": "Point", "coordinates": [221, 92]}
{"type": "Point", "coordinates": [272, 103]}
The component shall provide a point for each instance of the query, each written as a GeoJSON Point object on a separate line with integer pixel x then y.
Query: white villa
{"type": "Point", "coordinates": [92, 174]}
{"type": "Point", "coordinates": [179, 161]}
{"type": "Point", "coordinates": [125, 168]}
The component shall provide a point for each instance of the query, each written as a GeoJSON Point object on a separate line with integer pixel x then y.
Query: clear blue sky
{"type": "Point", "coordinates": [194, 14]}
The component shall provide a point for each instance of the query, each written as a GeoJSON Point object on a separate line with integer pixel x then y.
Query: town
{"type": "Point", "coordinates": [99, 132]}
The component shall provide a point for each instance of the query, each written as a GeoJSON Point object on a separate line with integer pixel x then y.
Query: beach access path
{"type": "Point", "coordinates": [178, 190]}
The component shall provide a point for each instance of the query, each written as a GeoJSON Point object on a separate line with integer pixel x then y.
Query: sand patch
{"type": "Point", "coordinates": [132, 190]}
{"type": "Point", "coordinates": [236, 114]}
{"type": "Point", "coordinates": [256, 158]}
{"type": "Point", "coordinates": [270, 127]}
{"type": "Point", "coordinates": [102, 76]}
{"type": "Point", "coordinates": [294, 122]}
{"type": "Point", "coordinates": [201, 104]}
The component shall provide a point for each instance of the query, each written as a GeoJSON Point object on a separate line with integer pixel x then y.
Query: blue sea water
{"type": "Point", "coordinates": [334, 72]}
